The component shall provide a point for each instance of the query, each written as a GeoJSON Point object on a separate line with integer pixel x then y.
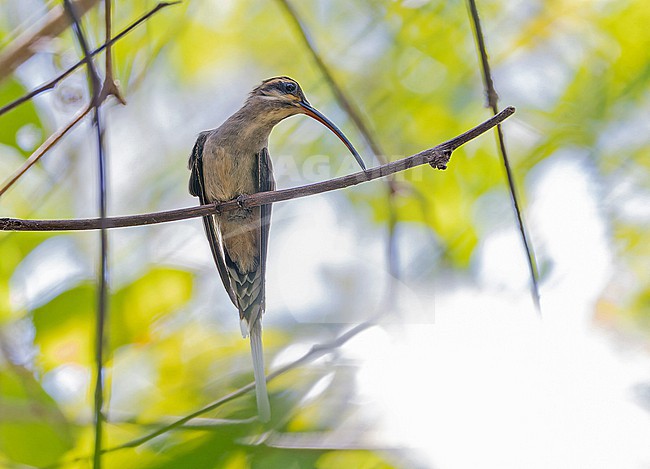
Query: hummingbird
{"type": "Point", "coordinates": [233, 160]}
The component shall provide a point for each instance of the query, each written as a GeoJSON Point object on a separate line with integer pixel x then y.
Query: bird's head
{"type": "Point", "coordinates": [282, 97]}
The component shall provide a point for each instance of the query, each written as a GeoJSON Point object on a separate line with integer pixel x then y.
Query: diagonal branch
{"type": "Point", "coordinates": [44, 148]}
{"type": "Point", "coordinates": [438, 157]}
{"type": "Point", "coordinates": [54, 138]}
{"type": "Point", "coordinates": [52, 83]}
{"type": "Point", "coordinates": [93, 76]}
{"type": "Point", "coordinates": [492, 98]}
{"type": "Point", "coordinates": [315, 352]}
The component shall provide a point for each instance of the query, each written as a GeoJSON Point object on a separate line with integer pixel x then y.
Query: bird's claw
{"type": "Point", "coordinates": [240, 201]}
{"type": "Point", "coordinates": [242, 211]}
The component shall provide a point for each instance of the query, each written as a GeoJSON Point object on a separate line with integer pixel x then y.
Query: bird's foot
{"type": "Point", "coordinates": [240, 201]}
{"type": "Point", "coordinates": [242, 212]}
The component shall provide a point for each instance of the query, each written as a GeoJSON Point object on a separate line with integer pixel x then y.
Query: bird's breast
{"type": "Point", "coordinates": [229, 174]}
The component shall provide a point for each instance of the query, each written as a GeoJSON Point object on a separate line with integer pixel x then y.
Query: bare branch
{"type": "Point", "coordinates": [492, 98]}
{"type": "Point", "coordinates": [437, 157]}
{"type": "Point", "coordinates": [52, 83]}
{"type": "Point", "coordinates": [25, 45]}
{"type": "Point", "coordinates": [87, 60]}
{"type": "Point", "coordinates": [109, 88]}
{"type": "Point", "coordinates": [315, 352]}
{"type": "Point", "coordinates": [54, 138]}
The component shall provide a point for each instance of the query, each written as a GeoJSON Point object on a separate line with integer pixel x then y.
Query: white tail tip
{"type": "Point", "coordinates": [243, 324]}
{"type": "Point", "coordinates": [263, 405]}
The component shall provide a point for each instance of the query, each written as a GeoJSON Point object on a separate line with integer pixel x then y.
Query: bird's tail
{"type": "Point", "coordinates": [263, 406]}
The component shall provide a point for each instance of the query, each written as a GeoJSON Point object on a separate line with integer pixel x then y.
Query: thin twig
{"type": "Point", "coordinates": [44, 148]}
{"type": "Point", "coordinates": [93, 76]}
{"type": "Point", "coordinates": [52, 83]}
{"type": "Point", "coordinates": [492, 99]}
{"type": "Point", "coordinates": [438, 157]}
{"type": "Point", "coordinates": [315, 352]}
{"type": "Point", "coordinates": [109, 88]}
{"type": "Point", "coordinates": [100, 335]}
{"type": "Point", "coordinates": [54, 138]}
{"type": "Point", "coordinates": [357, 118]}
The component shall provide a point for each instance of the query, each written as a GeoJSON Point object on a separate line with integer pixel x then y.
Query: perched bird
{"type": "Point", "coordinates": [231, 161]}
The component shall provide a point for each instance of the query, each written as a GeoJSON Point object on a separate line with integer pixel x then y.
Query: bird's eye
{"type": "Point", "coordinates": [290, 87]}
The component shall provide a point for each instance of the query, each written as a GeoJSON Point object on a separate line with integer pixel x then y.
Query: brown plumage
{"type": "Point", "coordinates": [233, 160]}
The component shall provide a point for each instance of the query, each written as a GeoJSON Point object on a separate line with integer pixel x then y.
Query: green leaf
{"type": "Point", "coordinates": [138, 305]}
{"type": "Point", "coordinates": [356, 459]}
{"type": "Point", "coordinates": [14, 247]}
{"type": "Point", "coordinates": [22, 117]}
{"type": "Point", "coordinates": [32, 429]}
{"type": "Point", "coordinates": [65, 327]}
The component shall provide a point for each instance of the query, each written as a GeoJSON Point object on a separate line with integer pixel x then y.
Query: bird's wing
{"type": "Point", "coordinates": [245, 241]}
{"type": "Point", "coordinates": [265, 183]}
{"type": "Point", "coordinates": [197, 189]}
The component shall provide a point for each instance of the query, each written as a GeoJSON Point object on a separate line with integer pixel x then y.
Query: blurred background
{"type": "Point", "coordinates": [459, 371]}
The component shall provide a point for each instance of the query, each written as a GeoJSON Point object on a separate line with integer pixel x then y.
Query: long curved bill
{"type": "Point", "coordinates": [314, 113]}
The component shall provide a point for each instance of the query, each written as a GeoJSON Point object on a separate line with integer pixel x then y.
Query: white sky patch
{"type": "Point", "coordinates": [313, 244]}
{"type": "Point", "coordinates": [69, 385]}
{"type": "Point", "coordinates": [488, 384]}
{"type": "Point", "coordinates": [48, 270]}
{"type": "Point", "coordinates": [134, 374]}
{"type": "Point", "coordinates": [292, 267]}
{"type": "Point", "coordinates": [502, 261]}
